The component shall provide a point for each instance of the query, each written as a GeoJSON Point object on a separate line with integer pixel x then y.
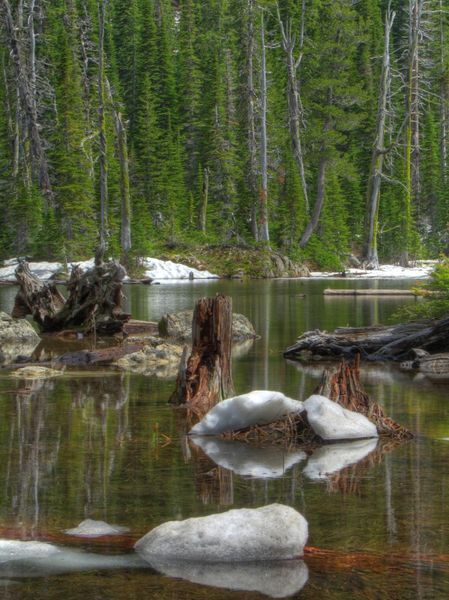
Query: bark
{"type": "Point", "coordinates": [371, 258]}
{"type": "Point", "coordinates": [264, 235]}
{"type": "Point", "coordinates": [202, 218]}
{"type": "Point", "coordinates": [93, 304]}
{"type": "Point", "coordinates": [395, 343]}
{"type": "Point", "coordinates": [205, 378]}
{"type": "Point", "coordinates": [321, 188]}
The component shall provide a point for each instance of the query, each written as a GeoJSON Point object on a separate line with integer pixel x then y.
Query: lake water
{"type": "Point", "coordinates": [107, 446]}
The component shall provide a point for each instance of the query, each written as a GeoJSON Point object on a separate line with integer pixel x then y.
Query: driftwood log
{"type": "Point", "coordinates": [396, 343]}
{"type": "Point", "coordinates": [93, 304]}
{"type": "Point", "coordinates": [205, 378]}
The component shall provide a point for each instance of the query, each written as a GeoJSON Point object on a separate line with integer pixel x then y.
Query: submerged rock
{"type": "Point", "coordinates": [36, 373]}
{"type": "Point", "coordinates": [92, 528]}
{"type": "Point", "coordinates": [17, 339]}
{"type": "Point", "coordinates": [179, 327]}
{"type": "Point", "coordinates": [274, 532]}
{"type": "Point", "coordinates": [249, 461]}
{"type": "Point", "coordinates": [254, 408]}
{"type": "Point", "coordinates": [330, 459]}
{"type": "Point", "coordinates": [159, 358]}
{"type": "Point", "coordinates": [37, 559]}
{"type": "Point", "coordinates": [330, 421]}
{"type": "Point", "coordinates": [278, 579]}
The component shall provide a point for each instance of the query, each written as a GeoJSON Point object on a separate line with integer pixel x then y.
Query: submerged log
{"type": "Point", "coordinates": [205, 378]}
{"type": "Point", "coordinates": [367, 292]}
{"type": "Point", "coordinates": [396, 342]}
{"type": "Point", "coordinates": [93, 304]}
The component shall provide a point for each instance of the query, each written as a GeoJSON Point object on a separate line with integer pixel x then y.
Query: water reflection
{"type": "Point", "coordinates": [274, 579]}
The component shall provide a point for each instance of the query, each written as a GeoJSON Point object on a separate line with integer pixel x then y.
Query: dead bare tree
{"type": "Point", "coordinates": [21, 40]}
{"type": "Point", "coordinates": [264, 235]}
{"type": "Point", "coordinates": [102, 6]}
{"type": "Point", "coordinates": [371, 258]}
{"type": "Point", "coordinates": [294, 99]}
{"type": "Point", "coordinates": [251, 117]}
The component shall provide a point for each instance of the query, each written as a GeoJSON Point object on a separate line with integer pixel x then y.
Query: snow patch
{"type": "Point", "coordinates": [330, 459]}
{"type": "Point", "coordinates": [383, 272]}
{"type": "Point", "coordinates": [254, 408]}
{"type": "Point", "coordinates": [248, 461]}
{"type": "Point", "coordinates": [274, 532]}
{"type": "Point", "coordinates": [331, 421]}
{"type": "Point", "coordinates": [166, 269]}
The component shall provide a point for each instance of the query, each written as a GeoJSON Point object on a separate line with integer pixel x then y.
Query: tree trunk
{"type": "Point", "coordinates": [102, 128]}
{"type": "Point", "coordinates": [251, 120]}
{"type": "Point", "coordinates": [206, 378]}
{"type": "Point", "coordinates": [321, 188]}
{"type": "Point", "coordinates": [294, 99]}
{"type": "Point", "coordinates": [264, 235]}
{"type": "Point", "coordinates": [371, 258]}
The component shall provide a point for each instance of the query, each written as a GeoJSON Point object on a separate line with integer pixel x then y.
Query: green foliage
{"type": "Point", "coordinates": [434, 294]}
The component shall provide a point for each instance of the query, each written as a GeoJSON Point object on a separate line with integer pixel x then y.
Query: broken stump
{"type": "Point", "coordinates": [205, 378]}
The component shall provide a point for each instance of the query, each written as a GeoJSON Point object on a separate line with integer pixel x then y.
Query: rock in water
{"type": "Point", "coordinates": [331, 421]}
{"type": "Point", "coordinates": [17, 338]}
{"type": "Point", "coordinates": [273, 532]}
{"type": "Point", "coordinates": [35, 372]}
{"type": "Point", "coordinates": [254, 408]}
{"type": "Point", "coordinates": [91, 528]}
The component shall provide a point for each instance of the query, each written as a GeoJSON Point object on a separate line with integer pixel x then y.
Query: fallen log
{"type": "Point", "coordinates": [396, 342]}
{"type": "Point", "coordinates": [367, 292]}
{"type": "Point", "coordinates": [205, 378]}
{"type": "Point", "coordinates": [93, 304]}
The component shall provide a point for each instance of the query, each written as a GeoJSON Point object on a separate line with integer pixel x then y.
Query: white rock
{"type": "Point", "coordinates": [17, 550]}
{"type": "Point", "coordinates": [249, 461]}
{"type": "Point", "coordinates": [166, 269]}
{"type": "Point", "coordinates": [330, 459]}
{"type": "Point", "coordinates": [332, 422]}
{"type": "Point", "coordinates": [274, 532]}
{"type": "Point", "coordinates": [254, 408]}
{"type": "Point", "coordinates": [278, 579]}
{"type": "Point", "coordinates": [91, 528]}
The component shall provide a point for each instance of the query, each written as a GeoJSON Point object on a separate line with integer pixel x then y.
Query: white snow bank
{"type": "Point", "coordinates": [254, 408]}
{"type": "Point", "coordinates": [91, 528]}
{"type": "Point", "coordinates": [274, 532]}
{"type": "Point", "coordinates": [280, 579]}
{"type": "Point", "coordinates": [331, 421]}
{"type": "Point", "coordinates": [166, 269]}
{"type": "Point", "coordinates": [330, 459]}
{"type": "Point", "coordinates": [43, 270]}
{"type": "Point", "coordinates": [383, 272]}
{"type": "Point", "coordinates": [249, 461]}
{"type": "Point", "coordinates": [38, 559]}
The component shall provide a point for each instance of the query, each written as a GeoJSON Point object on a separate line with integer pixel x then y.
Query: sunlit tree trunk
{"type": "Point", "coordinates": [264, 235]}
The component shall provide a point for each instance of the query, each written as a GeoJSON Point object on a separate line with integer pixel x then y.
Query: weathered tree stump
{"type": "Point", "coordinates": [93, 304]}
{"type": "Point", "coordinates": [205, 378]}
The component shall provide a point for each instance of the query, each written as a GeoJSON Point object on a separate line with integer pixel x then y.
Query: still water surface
{"type": "Point", "coordinates": [107, 446]}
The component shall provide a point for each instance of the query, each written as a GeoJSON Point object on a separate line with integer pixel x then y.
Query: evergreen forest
{"type": "Point", "coordinates": [315, 127]}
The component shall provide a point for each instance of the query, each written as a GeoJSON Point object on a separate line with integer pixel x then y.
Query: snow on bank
{"type": "Point", "coordinates": [422, 271]}
{"type": "Point", "coordinates": [166, 269]}
{"type": "Point", "coordinates": [154, 269]}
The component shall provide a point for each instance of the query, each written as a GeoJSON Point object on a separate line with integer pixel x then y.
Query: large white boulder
{"type": "Point", "coordinates": [247, 460]}
{"type": "Point", "coordinates": [331, 421]}
{"type": "Point", "coordinates": [330, 459]}
{"type": "Point", "coordinates": [274, 532]}
{"type": "Point", "coordinates": [254, 408]}
{"type": "Point", "coordinates": [278, 579]}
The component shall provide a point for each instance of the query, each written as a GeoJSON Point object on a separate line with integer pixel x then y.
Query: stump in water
{"type": "Point", "coordinates": [94, 302]}
{"type": "Point", "coordinates": [344, 388]}
{"type": "Point", "coordinates": [205, 378]}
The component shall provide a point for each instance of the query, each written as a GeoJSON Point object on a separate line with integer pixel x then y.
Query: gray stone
{"type": "Point", "coordinates": [17, 338]}
{"type": "Point", "coordinates": [179, 326]}
{"type": "Point", "coordinates": [92, 528]}
{"type": "Point", "coordinates": [273, 532]}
